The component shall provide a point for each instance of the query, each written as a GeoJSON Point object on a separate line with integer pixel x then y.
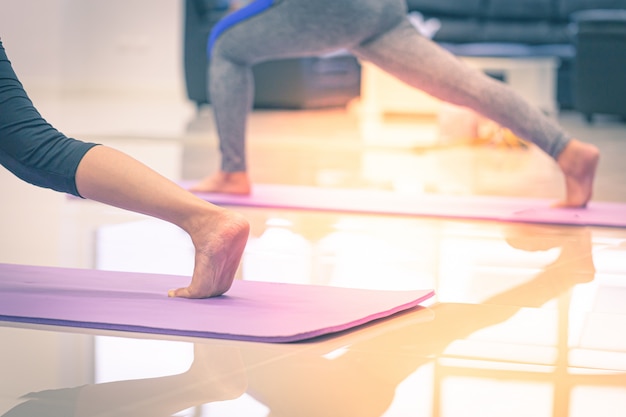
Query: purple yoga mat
{"type": "Point", "coordinates": [136, 302]}
{"type": "Point", "coordinates": [508, 209]}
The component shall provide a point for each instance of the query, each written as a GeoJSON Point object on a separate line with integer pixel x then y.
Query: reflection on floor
{"type": "Point", "coordinates": [528, 320]}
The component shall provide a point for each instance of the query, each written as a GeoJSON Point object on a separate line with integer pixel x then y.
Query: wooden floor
{"type": "Point", "coordinates": [528, 320]}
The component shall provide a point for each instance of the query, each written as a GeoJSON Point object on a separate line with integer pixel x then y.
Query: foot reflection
{"type": "Point", "coordinates": [216, 374]}
{"type": "Point", "coordinates": [363, 375]}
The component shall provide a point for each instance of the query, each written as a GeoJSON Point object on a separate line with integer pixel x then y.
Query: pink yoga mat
{"type": "Point", "coordinates": [136, 302]}
{"type": "Point", "coordinates": [508, 209]}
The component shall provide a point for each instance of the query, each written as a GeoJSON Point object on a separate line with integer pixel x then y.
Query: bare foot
{"type": "Point", "coordinates": [579, 162]}
{"type": "Point", "coordinates": [224, 182]}
{"type": "Point", "coordinates": [220, 240]}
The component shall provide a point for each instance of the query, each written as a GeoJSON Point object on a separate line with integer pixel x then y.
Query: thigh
{"type": "Point", "coordinates": [409, 56]}
{"type": "Point", "coordinates": [292, 28]}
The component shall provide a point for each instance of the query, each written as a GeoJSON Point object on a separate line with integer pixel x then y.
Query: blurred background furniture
{"type": "Point", "coordinates": [200, 17]}
{"type": "Point", "coordinates": [312, 82]}
{"type": "Point", "coordinates": [600, 64]}
{"type": "Point", "coordinates": [468, 28]}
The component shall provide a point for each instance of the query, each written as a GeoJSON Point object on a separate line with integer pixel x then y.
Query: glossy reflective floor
{"type": "Point", "coordinates": [528, 320]}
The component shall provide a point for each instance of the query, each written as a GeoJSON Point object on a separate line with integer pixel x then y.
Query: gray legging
{"type": "Point", "coordinates": [377, 31]}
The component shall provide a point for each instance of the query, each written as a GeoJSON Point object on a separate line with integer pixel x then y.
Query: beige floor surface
{"type": "Point", "coordinates": [528, 320]}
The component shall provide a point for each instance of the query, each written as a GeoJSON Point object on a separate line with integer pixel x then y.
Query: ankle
{"type": "Point", "coordinates": [577, 156]}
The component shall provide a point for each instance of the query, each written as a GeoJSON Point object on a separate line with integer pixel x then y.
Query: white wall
{"type": "Point", "coordinates": [31, 34]}
{"type": "Point", "coordinates": [116, 46]}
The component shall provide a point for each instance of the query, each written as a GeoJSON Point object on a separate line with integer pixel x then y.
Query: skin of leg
{"type": "Point", "coordinates": [237, 182]}
{"type": "Point", "coordinates": [578, 162]}
{"type": "Point", "coordinates": [218, 235]}
{"type": "Point", "coordinates": [36, 152]}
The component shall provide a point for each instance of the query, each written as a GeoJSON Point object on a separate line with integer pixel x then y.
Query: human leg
{"type": "Point", "coordinates": [420, 63]}
{"type": "Point", "coordinates": [39, 154]}
{"type": "Point", "coordinates": [377, 31]}
{"type": "Point", "coordinates": [578, 161]}
{"type": "Point", "coordinates": [286, 29]}
{"type": "Point", "coordinates": [219, 235]}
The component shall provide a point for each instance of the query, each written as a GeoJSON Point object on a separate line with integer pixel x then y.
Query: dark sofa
{"type": "Point", "coordinates": [468, 27]}
{"type": "Point", "coordinates": [600, 83]}
{"type": "Point", "coordinates": [312, 82]}
{"type": "Point", "coordinates": [517, 27]}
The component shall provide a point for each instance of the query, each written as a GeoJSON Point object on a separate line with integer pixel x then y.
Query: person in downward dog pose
{"type": "Point", "coordinates": [39, 154]}
{"type": "Point", "coordinates": [380, 32]}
